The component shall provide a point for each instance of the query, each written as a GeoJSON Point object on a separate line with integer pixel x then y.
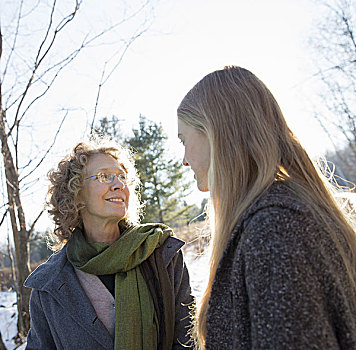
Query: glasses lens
{"type": "Point", "coordinates": [105, 178]}
{"type": "Point", "coordinates": [123, 178]}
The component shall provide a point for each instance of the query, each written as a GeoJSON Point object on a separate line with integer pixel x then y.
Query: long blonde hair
{"type": "Point", "coordinates": [251, 146]}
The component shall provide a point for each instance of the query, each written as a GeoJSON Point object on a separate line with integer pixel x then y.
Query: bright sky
{"type": "Point", "coordinates": [187, 40]}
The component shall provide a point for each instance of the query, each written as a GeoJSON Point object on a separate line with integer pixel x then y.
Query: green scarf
{"type": "Point", "coordinates": [136, 325]}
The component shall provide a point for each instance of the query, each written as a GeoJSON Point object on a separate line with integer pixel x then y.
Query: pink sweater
{"type": "Point", "coordinates": [100, 297]}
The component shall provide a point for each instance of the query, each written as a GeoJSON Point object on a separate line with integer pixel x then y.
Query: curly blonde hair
{"type": "Point", "coordinates": [67, 182]}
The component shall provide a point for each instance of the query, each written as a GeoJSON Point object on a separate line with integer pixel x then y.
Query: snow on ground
{"type": "Point", "coordinates": [198, 271]}
{"type": "Point", "coordinates": [8, 319]}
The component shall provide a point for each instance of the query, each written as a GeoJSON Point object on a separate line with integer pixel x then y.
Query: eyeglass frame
{"type": "Point", "coordinates": [125, 181]}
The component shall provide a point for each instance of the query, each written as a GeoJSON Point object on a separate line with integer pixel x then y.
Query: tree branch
{"type": "Point", "coordinates": [48, 150]}
{"type": "Point", "coordinates": [14, 42]}
{"type": "Point", "coordinates": [4, 215]}
{"type": "Point", "coordinates": [39, 59]}
{"type": "Point", "coordinates": [34, 223]}
{"type": "Point", "coordinates": [104, 80]}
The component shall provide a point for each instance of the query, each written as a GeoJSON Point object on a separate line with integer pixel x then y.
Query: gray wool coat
{"type": "Point", "coordinates": [281, 283]}
{"type": "Point", "coordinates": [62, 316]}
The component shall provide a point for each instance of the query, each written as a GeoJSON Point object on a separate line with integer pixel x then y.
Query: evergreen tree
{"type": "Point", "coordinates": [162, 177]}
{"type": "Point", "coordinates": [110, 127]}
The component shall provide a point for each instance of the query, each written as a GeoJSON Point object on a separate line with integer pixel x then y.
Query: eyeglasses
{"type": "Point", "coordinates": [108, 178]}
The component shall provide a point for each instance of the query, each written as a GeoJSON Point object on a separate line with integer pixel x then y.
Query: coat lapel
{"type": "Point", "coordinates": [65, 288]}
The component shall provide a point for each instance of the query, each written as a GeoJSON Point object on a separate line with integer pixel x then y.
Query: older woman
{"type": "Point", "coordinates": [114, 283]}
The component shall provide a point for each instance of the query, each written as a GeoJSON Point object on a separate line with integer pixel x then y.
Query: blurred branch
{"type": "Point", "coordinates": [14, 42]}
{"type": "Point", "coordinates": [27, 186]}
{"type": "Point", "coordinates": [334, 44]}
{"type": "Point", "coordinates": [4, 216]}
{"type": "Point", "coordinates": [40, 57]}
{"type": "Point", "coordinates": [104, 78]}
{"type": "Point", "coordinates": [34, 223]}
{"type": "Point", "coordinates": [48, 149]}
{"type": "Point", "coordinates": [70, 57]}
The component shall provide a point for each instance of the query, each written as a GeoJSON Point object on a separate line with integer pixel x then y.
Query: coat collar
{"type": "Point", "coordinates": [279, 194]}
{"type": "Point", "coordinates": [58, 278]}
{"type": "Point", "coordinates": [169, 248]}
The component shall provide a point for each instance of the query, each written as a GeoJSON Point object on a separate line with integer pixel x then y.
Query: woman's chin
{"type": "Point", "coordinates": [202, 187]}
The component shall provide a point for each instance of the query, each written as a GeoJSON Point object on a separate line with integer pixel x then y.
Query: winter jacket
{"type": "Point", "coordinates": [62, 316]}
{"type": "Point", "coordinates": [281, 283]}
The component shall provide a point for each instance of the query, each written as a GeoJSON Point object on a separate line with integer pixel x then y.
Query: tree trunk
{"type": "Point", "coordinates": [2, 345]}
{"type": "Point", "coordinates": [12, 263]}
{"type": "Point", "coordinates": [18, 224]}
{"type": "Point", "coordinates": [19, 232]}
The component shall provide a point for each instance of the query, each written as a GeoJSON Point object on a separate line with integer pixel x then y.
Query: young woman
{"type": "Point", "coordinates": [283, 255]}
{"type": "Point", "coordinates": [115, 283]}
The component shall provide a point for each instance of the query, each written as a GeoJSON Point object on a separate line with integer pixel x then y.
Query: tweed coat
{"type": "Point", "coordinates": [281, 283]}
{"type": "Point", "coordinates": [62, 316]}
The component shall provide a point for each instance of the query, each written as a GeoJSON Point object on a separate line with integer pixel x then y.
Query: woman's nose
{"type": "Point", "coordinates": [117, 184]}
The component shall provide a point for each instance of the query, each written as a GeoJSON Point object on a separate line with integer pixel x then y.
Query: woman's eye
{"type": "Point", "coordinates": [122, 177]}
{"type": "Point", "coordinates": [104, 177]}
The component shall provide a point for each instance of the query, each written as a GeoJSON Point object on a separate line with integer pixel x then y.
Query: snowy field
{"type": "Point", "coordinates": [198, 270]}
{"type": "Point", "coordinates": [8, 319]}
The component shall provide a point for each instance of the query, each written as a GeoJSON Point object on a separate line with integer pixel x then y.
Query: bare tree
{"type": "Point", "coordinates": [334, 47]}
{"type": "Point", "coordinates": [2, 345]}
{"type": "Point", "coordinates": [25, 79]}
